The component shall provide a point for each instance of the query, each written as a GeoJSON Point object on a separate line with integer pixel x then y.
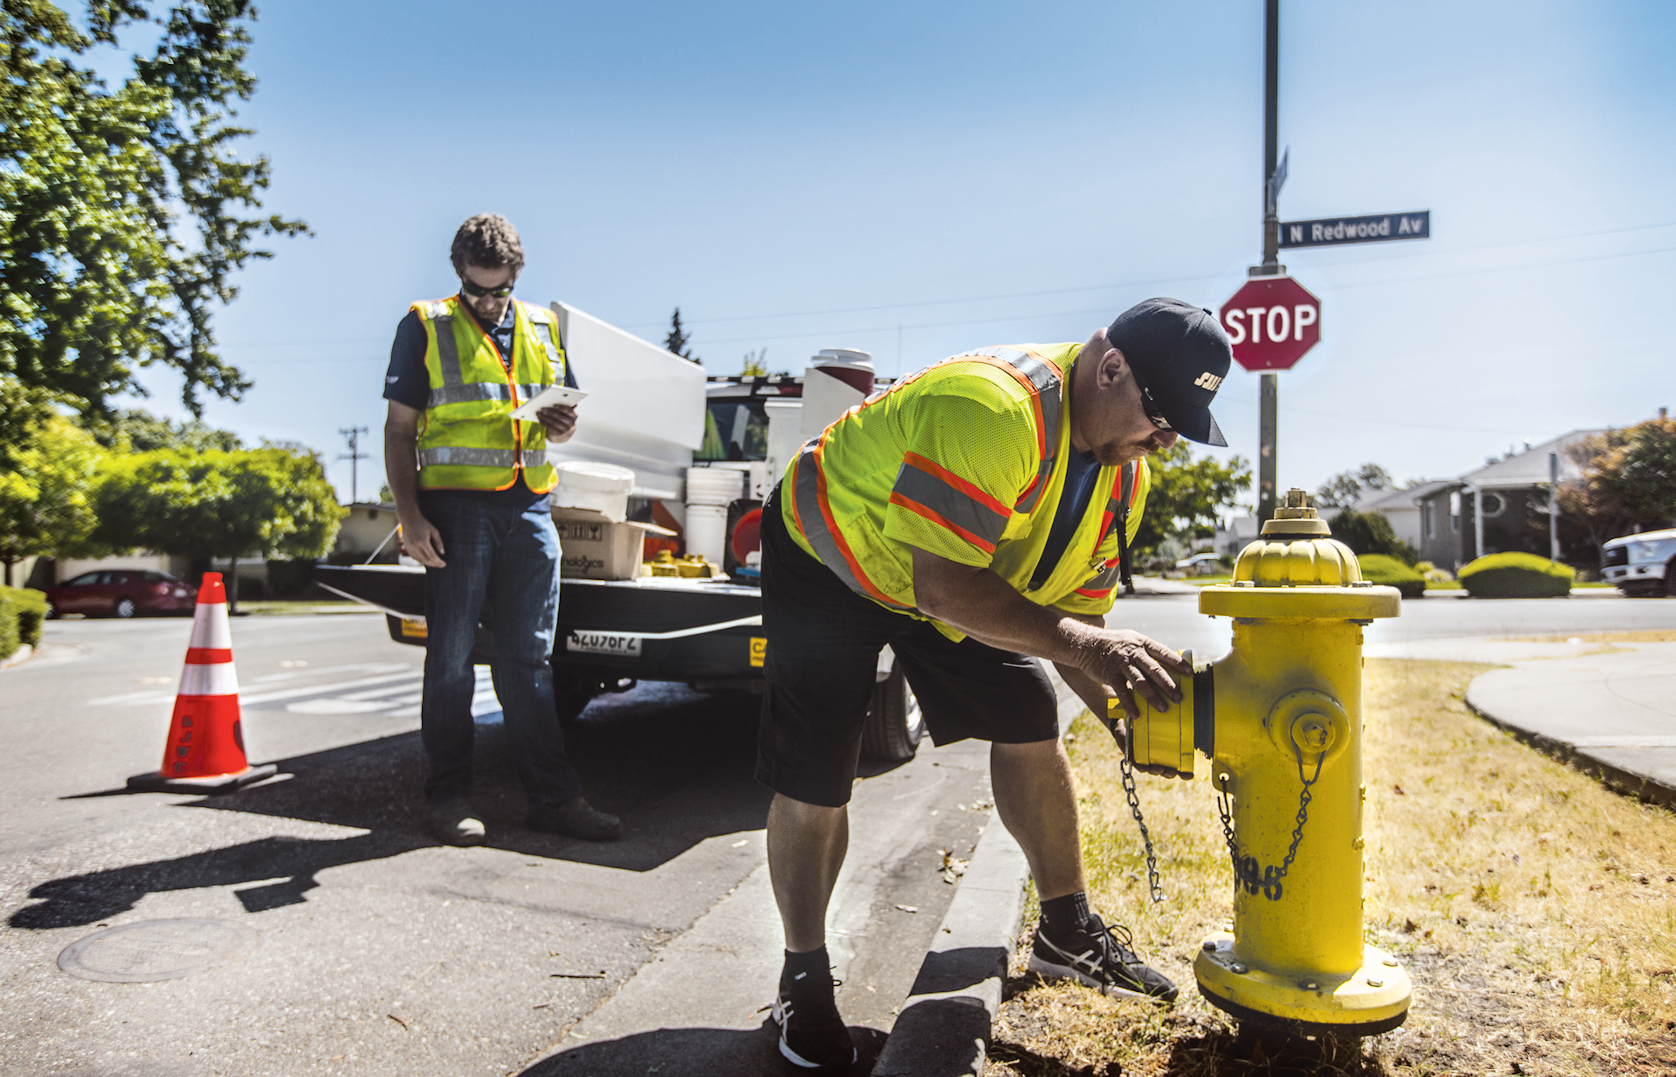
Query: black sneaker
{"type": "Point", "coordinates": [813, 1037]}
{"type": "Point", "coordinates": [1101, 957]}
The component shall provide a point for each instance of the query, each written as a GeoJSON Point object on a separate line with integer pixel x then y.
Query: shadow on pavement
{"type": "Point", "coordinates": [678, 769]}
{"type": "Point", "coordinates": [693, 1050]}
{"type": "Point", "coordinates": [77, 900]}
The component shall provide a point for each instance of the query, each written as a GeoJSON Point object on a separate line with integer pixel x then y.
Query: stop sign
{"type": "Point", "coordinates": [1271, 322]}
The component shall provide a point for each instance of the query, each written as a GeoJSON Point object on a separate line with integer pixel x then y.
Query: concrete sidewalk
{"type": "Point", "coordinates": [1608, 709]}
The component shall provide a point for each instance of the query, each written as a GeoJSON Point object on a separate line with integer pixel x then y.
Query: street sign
{"type": "Point", "coordinates": [1271, 322]}
{"type": "Point", "coordinates": [1379, 228]}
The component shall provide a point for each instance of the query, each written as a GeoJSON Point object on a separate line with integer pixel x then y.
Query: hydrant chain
{"type": "Point", "coordinates": [1246, 867]}
{"type": "Point", "coordinates": [1156, 890]}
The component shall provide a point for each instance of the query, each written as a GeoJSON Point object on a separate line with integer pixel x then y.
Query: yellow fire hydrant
{"type": "Point", "coordinates": [1281, 720]}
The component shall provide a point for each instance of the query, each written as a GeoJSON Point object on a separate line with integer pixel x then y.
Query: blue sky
{"type": "Point", "coordinates": [917, 179]}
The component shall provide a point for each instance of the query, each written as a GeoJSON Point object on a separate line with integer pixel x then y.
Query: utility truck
{"type": "Point", "coordinates": [656, 415]}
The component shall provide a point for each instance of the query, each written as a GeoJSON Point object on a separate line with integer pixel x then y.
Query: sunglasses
{"type": "Point", "coordinates": [1153, 413]}
{"type": "Point", "coordinates": [478, 291]}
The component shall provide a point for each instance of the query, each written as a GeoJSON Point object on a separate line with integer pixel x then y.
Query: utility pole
{"type": "Point", "coordinates": [354, 456]}
{"type": "Point", "coordinates": [1274, 174]}
{"type": "Point", "coordinates": [1553, 506]}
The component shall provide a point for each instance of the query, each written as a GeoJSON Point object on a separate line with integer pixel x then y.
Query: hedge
{"type": "Point", "coordinates": [1390, 572]}
{"type": "Point", "coordinates": [21, 614]}
{"type": "Point", "coordinates": [1516, 575]}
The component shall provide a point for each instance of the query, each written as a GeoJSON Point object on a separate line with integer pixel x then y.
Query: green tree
{"type": "Point", "coordinates": [1371, 533]}
{"type": "Point", "coordinates": [215, 504]}
{"type": "Point", "coordinates": [1347, 487]}
{"type": "Point", "coordinates": [138, 430]}
{"type": "Point", "coordinates": [1188, 492]}
{"type": "Point", "coordinates": [123, 212]}
{"type": "Point", "coordinates": [1627, 480]}
{"type": "Point", "coordinates": [678, 341]}
{"type": "Point", "coordinates": [22, 411]}
{"type": "Point", "coordinates": [46, 483]}
{"type": "Point", "coordinates": [756, 363]}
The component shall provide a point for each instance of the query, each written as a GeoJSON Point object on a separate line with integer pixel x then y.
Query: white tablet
{"type": "Point", "coordinates": [553, 395]}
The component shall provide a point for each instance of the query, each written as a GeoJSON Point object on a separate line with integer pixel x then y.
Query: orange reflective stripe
{"type": "Point", "coordinates": [942, 521]}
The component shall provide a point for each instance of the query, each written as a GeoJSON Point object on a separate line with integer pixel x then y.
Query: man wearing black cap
{"type": "Point", "coordinates": [976, 518]}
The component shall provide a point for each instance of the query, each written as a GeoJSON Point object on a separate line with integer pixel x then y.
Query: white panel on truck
{"type": "Point", "coordinates": [645, 406]}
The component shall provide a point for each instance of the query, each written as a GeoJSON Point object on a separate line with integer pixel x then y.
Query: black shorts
{"type": "Point", "coordinates": [821, 664]}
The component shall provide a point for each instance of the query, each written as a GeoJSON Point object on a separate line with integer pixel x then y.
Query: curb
{"type": "Point", "coordinates": [944, 1027]}
{"type": "Point", "coordinates": [1633, 783]}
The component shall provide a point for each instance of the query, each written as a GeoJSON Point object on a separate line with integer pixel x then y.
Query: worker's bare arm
{"type": "Point", "coordinates": [401, 470]}
{"type": "Point", "coordinates": [983, 605]}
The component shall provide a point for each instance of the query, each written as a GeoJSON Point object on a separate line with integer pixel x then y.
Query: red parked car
{"type": "Point", "coordinates": [121, 592]}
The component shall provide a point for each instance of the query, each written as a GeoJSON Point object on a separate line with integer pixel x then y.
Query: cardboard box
{"type": "Point", "coordinates": [593, 548]}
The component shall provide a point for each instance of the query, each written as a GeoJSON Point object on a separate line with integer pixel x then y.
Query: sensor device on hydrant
{"type": "Point", "coordinates": [1281, 720]}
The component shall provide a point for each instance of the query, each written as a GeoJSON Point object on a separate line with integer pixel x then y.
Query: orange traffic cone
{"type": "Point", "coordinates": [205, 749]}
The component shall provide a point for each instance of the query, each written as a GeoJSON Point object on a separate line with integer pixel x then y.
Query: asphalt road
{"type": "Point", "coordinates": [380, 952]}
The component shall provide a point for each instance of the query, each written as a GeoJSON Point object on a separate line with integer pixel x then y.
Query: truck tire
{"type": "Point", "coordinates": [894, 724]}
{"type": "Point", "coordinates": [1670, 578]}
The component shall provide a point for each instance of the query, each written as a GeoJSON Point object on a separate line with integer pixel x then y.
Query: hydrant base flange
{"type": "Point", "coordinates": [1371, 1000]}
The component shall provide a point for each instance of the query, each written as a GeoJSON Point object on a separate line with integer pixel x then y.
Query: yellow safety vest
{"type": "Point", "coordinates": [965, 459]}
{"type": "Point", "coordinates": [468, 439]}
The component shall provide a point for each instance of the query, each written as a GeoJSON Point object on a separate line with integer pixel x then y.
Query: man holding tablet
{"type": "Point", "coordinates": [470, 483]}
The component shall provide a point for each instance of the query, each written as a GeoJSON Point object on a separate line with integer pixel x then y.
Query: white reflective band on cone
{"type": "Point", "coordinates": [216, 680]}
{"type": "Point", "coordinates": [210, 627]}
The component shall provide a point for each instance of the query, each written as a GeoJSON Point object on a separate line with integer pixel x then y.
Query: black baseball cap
{"type": "Point", "coordinates": [1180, 355]}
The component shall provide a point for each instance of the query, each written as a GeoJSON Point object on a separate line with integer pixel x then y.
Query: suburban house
{"type": "Point", "coordinates": [1401, 507]}
{"type": "Point", "coordinates": [1499, 507]}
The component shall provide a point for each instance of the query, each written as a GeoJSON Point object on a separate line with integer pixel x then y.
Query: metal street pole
{"type": "Point", "coordinates": [1268, 408]}
{"type": "Point", "coordinates": [1553, 506]}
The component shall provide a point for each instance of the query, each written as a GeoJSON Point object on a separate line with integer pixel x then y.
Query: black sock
{"type": "Point", "coordinates": [808, 975]}
{"type": "Point", "coordinates": [1063, 915]}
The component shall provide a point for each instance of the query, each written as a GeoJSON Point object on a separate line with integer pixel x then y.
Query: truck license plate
{"type": "Point", "coordinates": [617, 643]}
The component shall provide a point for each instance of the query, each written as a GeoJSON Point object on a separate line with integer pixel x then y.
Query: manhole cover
{"type": "Point", "coordinates": [154, 950]}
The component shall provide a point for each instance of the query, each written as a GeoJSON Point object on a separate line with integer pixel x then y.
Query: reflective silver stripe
{"type": "Point", "coordinates": [814, 521]}
{"type": "Point", "coordinates": [535, 457]}
{"type": "Point", "coordinates": [544, 331]}
{"type": "Point", "coordinates": [958, 508]}
{"type": "Point", "coordinates": [1106, 580]}
{"type": "Point", "coordinates": [529, 392]}
{"type": "Point", "coordinates": [461, 455]}
{"type": "Point", "coordinates": [447, 349]}
{"type": "Point", "coordinates": [469, 392]}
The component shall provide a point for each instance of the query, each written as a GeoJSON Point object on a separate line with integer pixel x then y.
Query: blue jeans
{"type": "Point", "coordinates": [502, 561]}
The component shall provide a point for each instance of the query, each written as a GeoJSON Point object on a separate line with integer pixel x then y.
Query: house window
{"type": "Point", "coordinates": [1494, 504]}
{"type": "Point", "coordinates": [1426, 521]}
{"type": "Point", "coordinates": [1455, 510]}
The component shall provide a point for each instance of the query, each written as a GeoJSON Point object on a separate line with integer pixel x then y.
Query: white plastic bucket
{"type": "Point", "coordinates": [604, 488]}
{"type": "Point", "coordinates": [707, 531]}
{"type": "Point", "coordinates": [713, 486]}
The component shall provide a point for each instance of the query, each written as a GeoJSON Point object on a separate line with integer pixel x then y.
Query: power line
{"type": "Point", "coordinates": [1150, 281]}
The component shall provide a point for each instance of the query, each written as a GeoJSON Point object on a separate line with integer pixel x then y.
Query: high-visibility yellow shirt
{"type": "Point", "coordinates": [965, 459]}
{"type": "Point", "coordinates": [468, 439]}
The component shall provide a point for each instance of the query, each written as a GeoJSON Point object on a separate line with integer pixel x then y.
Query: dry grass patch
{"type": "Point", "coordinates": [1535, 909]}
